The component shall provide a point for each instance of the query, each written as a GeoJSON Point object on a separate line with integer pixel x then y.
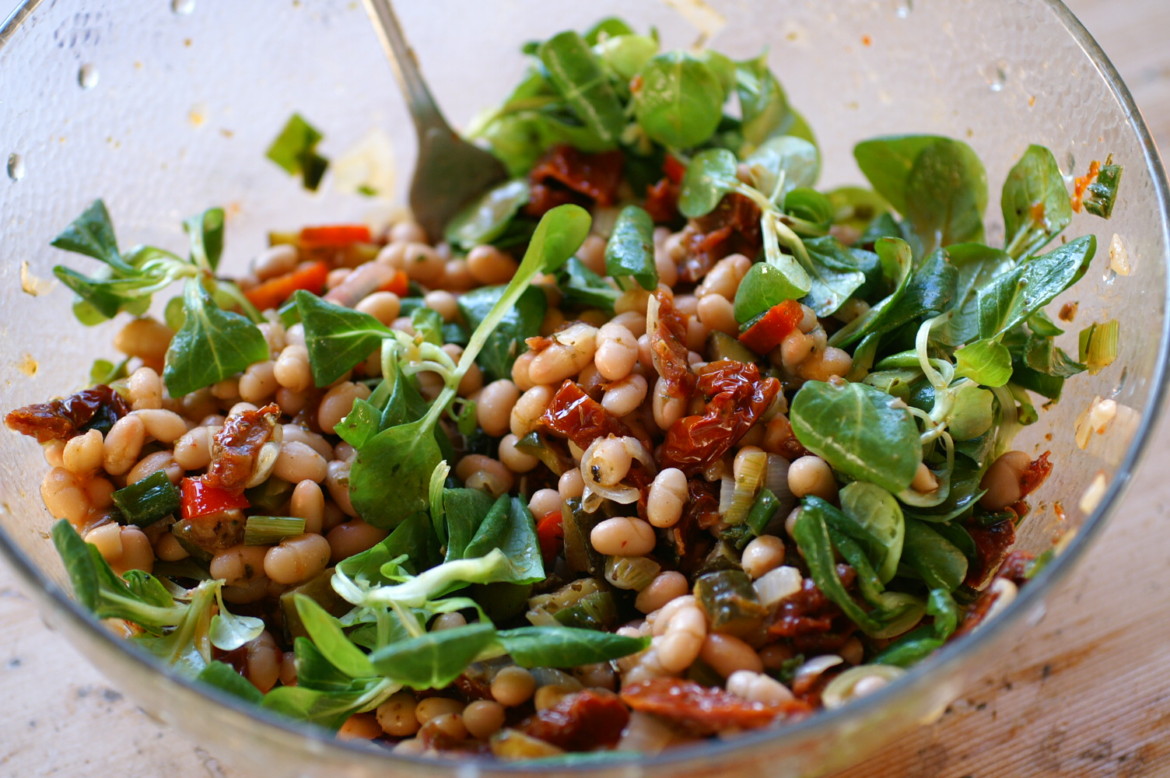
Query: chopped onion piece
{"type": "Point", "coordinates": [775, 585]}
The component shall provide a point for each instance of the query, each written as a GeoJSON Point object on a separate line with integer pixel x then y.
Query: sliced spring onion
{"type": "Point", "coordinates": [267, 530]}
{"type": "Point", "coordinates": [1098, 345]}
{"type": "Point", "coordinates": [750, 469]}
{"type": "Point", "coordinates": [775, 585]}
{"type": "Point", "coordinates": [631, 572]}
{"type": "Point", "coordinates": [858, 681]}
{"type": "Point", "coordinates": [146, 501]}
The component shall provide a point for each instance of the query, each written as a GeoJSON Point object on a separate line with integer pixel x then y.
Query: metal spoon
{"type": "Point", "coordinates": [449, 171]}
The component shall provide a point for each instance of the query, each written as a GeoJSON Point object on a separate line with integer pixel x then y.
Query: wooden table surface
{"type": "Point", "coordinates": [1088, 693]}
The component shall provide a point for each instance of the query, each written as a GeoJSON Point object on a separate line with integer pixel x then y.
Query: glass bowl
{"type": "Point", "coordinates": [166, 109]}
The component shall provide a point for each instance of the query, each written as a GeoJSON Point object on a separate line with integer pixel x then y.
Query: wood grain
{"type": "Point", "coordinates": [1088, 692]}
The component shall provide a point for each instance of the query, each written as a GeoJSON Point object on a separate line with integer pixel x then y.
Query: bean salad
{"type": "Point", "coordinates": [657, 442]}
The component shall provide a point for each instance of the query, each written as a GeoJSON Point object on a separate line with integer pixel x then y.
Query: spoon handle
{"type": "Point", "coordinates": [423, 110]}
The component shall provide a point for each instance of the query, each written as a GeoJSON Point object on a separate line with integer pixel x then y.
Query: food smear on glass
{"type": "Point", "coordinates": [657, 442]}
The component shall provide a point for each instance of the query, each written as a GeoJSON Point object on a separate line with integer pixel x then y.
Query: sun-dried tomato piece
{"type": "Point", "coordinates": [668, 348]}
{"type": "Point", "coordinates": [739, 396]}
{"type": "Point", "coordinates": [770, 330]}
{"type": "Point", "coordinates": [567, 175]}
{"type": "Point", "coordinates": [704, 710]}
{"type": "Point", "coordinates": [1015, 566]}
{"type": "Point", "coordinates": [61, 419]}
{"type": "Point", "coordinates": [1035, 474]}
{"type": "Point", "coordinates": [991, 548]}
{"type": "Point", "coordinates": [662, 202]}
{"type": "Point", "coordinates": [689, 536]}
{"type": "Point", "coordinates": [581, 721]}
{"type": "Point", "coordinates": [575, 415]}
{"type": "Point", "coordinates": [236, 445]}
{"type": "Point", "coordinates": [732, 228]}
{"type": "Point", "coordinates": [810, 620]}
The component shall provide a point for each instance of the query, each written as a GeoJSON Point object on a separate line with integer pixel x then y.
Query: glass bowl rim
{"type": "Point", "coordinates": [756, 742]}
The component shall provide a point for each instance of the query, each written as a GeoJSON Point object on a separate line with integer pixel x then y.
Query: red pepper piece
{"type": "Point", "coordinates": [334, 236]}
{"type": "Point", "coordinates": [202, 499]}
{"type": "Point", "coordinates": [550, 531]}
{"type": "Point", "coordinates": [773, 327]}
{"type": "Point", "coordinates": [704, 710]}
{"type": "Point", "coordinates": [581, 721]}
{"type": "Point", "coordinates": [273, 292]}
{"type": "Point", "coordinates": [575, 415]}
{"type": "Point", "coordinates": [399, 284]}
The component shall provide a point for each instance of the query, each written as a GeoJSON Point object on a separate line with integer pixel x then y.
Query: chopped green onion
{"type": "Point", "coordinates": [1102, 193]}
{"type": "Point", "coordinates": [631, 572]}
{"type": "Point", "coordinates": [762, 511]}
{"type": "Point", "coordinates": [267, 530]}
{"type": "Point", "coordinates": [144, 502]}
{"type": "Point", "coordinates": [750, 469]}
{"type": "Point", "coordinates": [1098, 345]}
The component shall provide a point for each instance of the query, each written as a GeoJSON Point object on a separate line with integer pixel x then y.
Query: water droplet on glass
{"type": "Point", "coordinates": [15, 166]}
{"type": "Point", "coordinates": [1070, 162]}
{"type": "Point", "coordinates": [1109, 276]}
{"type": "Point", "coordinates": [996, 77]}
{"type": "Point", "coordinates": [1120, 384]}
{"type": "Point", "coordinates": [902, 8]}
{"type": "Point", "coordinates": [1036, 615]}
{"type": "Point", "coordinates": [87, 76]}
{"type": "Point", "coordinates": [183, 6]}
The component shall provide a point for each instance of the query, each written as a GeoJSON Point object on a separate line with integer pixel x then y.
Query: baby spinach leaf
{"type": "Point", "coordinates": [464, 511]}
{"type": "Point", "coordinates": [227, 631]}
{"type": "Point", "coordinates": [879, 526]}
{"type": "Point", "coordinates": [1035, 203]}
{"type": "Point", "coordinates": [295, 150]}
{"type": "Point", "coordinates": [507, 339]}
{"type": "Point", "coordinates": [763, 287]}
{"type": "Point", "coordinates": [314, 671]}
{"type": "Point", "coordinates": [205, 233]}
{"type": "Point", "coordinates": [887, 162]}
{"type": "Point", "coordinates": [435, 659]}
{"type": "Point", "coordinates": [607, 28]}
{"type": "Point", "coordinates": [977, 266]}
{"type": "Point", "coordinates": [679, 103]}
{"type": "Point", "coordinates": [1012, 297]}
{"type": "Point", "coordinates": [211, 346]}
{"type": "Point", "coordinates": [946, 195]}
{"type": "Point", "coordinates": [329, 709]}
{"type": "Point", "coordinates": [986, 362]}
{"type": "Point", "coordinates": [630, 250]}
{"type": "Point", "coordinates": [92, 234]}
{"type": "Point", "coordinates": [890, 312]}
{"type": "Point", "coordinates": [225, 678]}
{"type": "Point", "coordinates": [487, 217]}
{"type": "Point", "coordinates": [511, 528]}
{"type": "Point", "coordinates": [940, 563]}
{"type": "Point", "coordinates": [626, 55]}
{"type": "Point", "coordinates": [337, 338]}
{"type": "Point", "coordinates": [710, 176]}
{"type": "Point", "coordinates": [331, 641]}
{"type": "Point", "coordinates": [784, 163]}
{"type": "Point", "coordinates": [566, 646]}
{"type": "Point", "coordinates": [812, 536]}
{"type": "Point", "coordinates": [762, 103]}
{"type": "Point", "coordinates": [833, 272]}
{"type": "Point", "coordinates": [577, 75]}
{"type": "Point", "coordinates": [390, 477]}
{"type": "Point", "coordinates": [859, 431]}
{"type": "Point", "coordinates": [581, 286]}
{"type": "Point", "coordinates": [412, 538]}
